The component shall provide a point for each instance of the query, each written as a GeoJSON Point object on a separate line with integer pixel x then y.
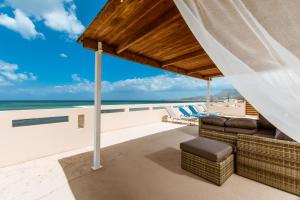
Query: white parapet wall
{"type": "Point", "coordinates": [23, 143]}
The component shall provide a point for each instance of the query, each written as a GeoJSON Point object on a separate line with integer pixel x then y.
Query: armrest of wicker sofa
{"type": "Point", "coordinates": [279, 152]}
{"type": "Point", "coordinates": [269, 161]}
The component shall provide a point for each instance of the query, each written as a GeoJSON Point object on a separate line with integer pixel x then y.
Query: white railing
{"type": "Point", "coordinates": [24, 143]}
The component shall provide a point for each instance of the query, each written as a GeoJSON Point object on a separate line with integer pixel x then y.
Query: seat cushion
{"type": "Point", "coordinates": [243, 123]}
{"type": "Point", "coordinates": [240, 130]}
{"type": "Point", "coordinates": [207, 148]}
{"type": "Point", "coordinates": [214, 120]}
{"type": "Point", "coordinates": [263, 123]}
{"type": "Point", "coordinates": [213, 127]}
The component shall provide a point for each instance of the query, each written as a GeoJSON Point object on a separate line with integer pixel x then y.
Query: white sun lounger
{"type": "Point", "coordinates": [175, 117]}
{"type": "Point", "coordinates": [202, 108]}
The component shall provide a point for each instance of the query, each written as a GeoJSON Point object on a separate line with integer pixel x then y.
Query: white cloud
{"type": "Point", "coordinates": [21, 24]}
{"type": "Point", "coordinates": [155, 84]}
{"type": "Point", "coordinates": [79, 85]}
{"type": "Point", "coordinates": [4, 82]}
{"type": "Point", "coordinates": [63, 55]}
{"type": "Point", "coordinates": [163, 83]}
{"type": "Point", "coordinates": [75, 77]}
{"type": "Point", "coordinates": [160, 83]}
{"type": "Point", "coordinates": [9, 74]}
{"type": "Point", "coordinates": [221, 83]}
{"type": "Point", "coordinates": [58, 15]}
{"type": "Point", "coordinates": [161, 87]}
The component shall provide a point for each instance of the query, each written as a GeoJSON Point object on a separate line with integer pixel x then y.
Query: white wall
{"type": "Point", "coordinates": [31, 142]}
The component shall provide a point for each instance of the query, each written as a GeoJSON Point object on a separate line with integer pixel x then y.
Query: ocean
{"type": "Point", "coordinates": [28, 105]}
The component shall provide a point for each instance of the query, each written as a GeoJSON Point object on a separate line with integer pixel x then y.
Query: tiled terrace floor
{"type": "Point", "coordinates": [140, 169]}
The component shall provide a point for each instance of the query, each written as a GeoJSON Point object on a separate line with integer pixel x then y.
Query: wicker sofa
{"type": "Point", "coordinates": [259, 155]}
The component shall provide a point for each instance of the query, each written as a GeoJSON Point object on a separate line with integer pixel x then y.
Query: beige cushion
{"type": "Point", "coordinates": [214, 120]}
{"type": "Point", "coordinates": [281, 136]}
{"type": "Point", "coordinates": [263, 123]}
{"type": "Point", "coordinates": [240, 130]}
{"type": "Point", "coordinates": [207, 148]}
{"type": "Point", "coordinates": [243, 123]}
{"type": "Point", "coordinates": [212, 127]}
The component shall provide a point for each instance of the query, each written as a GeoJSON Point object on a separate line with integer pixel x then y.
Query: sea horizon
{"type": "Point", "coordinates": [53, 104]}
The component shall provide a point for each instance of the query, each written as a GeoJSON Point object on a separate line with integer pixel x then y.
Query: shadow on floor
{"type": "Point", "coordinates": [170, 159]}
{"type": "Point", "coordinates": [145, 168]}
{"type": "Point", "coordinates": [149, 168]}
{"type": "Point", "coordinates": [76, 166]}
{"type": "Point", "coordinates": [190, 130]}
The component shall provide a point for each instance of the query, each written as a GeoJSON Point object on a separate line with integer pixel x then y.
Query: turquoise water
{"type": "Point", "coordinates": [28, 105]}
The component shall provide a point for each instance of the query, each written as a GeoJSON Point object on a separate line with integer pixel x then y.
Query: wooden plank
{"type": "Point", "coordinates": [250, 110]}
{"type": "Point", "coordinates": [149, 29]}
{"type": "Point", "coordinates": [167, 43]}
{"type": "Point", "coordinates": [197, 70]}
{"type": "Point", "coordinates": [184, 57]}
{"type": "Point", "coordinates": [128, 23]}
{"type": "Point", "coordinates": [104, 16]}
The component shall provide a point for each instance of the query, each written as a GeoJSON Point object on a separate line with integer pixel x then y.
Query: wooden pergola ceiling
{"type": "Point", "coordinates": [149, 32]}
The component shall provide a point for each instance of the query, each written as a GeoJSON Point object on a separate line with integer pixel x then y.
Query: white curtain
{"type": "Point", "coordinates": [256, 45]}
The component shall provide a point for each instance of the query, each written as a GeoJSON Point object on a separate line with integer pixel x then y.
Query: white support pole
{"type": "Point", "coordinates": [97, 109]}
{"type": "Point", "coordinates": [208, 93]}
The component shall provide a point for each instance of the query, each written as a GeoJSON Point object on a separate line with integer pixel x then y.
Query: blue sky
{"type": "Point", "coordinates": [40, 59]}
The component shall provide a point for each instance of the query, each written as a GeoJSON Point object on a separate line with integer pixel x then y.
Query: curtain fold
{"type": "Point", "coordinates": [256, 45]}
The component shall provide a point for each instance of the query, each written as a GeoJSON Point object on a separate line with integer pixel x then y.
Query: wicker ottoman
{"type": "Point", "coordinates": [207, 158]}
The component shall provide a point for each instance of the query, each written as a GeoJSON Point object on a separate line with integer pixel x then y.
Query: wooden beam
{"type": "Point", "coordinates": [148, 61]}
{"type": "Point", "coordinates": [89, 44]}
{"type": "Point", "coordinates": [196, 76]}
{"type": "Point", "coordinates": [218, 74]}
{"type": "Point", "coordinates": [181, 71]}
{"type": "Point", "coordinates": [132, 56]}
{"type": "Point", "coordinates": [184, 57]}
{"type": "Point", "coordinates": [93, 45]}
{"type": "Point", "coordinates": [107, 49]}
{"type": "Point", "coordinates": [193, 71]}
{"type": "Point", "coordinates": [147, 30]}
{"type": "Point", "coordinates": [176, 69]}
